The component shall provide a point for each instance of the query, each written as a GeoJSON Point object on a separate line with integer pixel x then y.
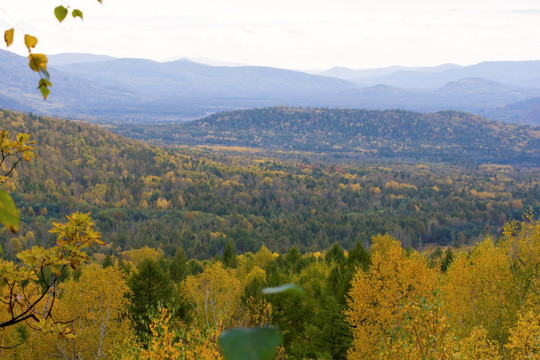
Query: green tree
{"type": "Point", "coordinates": [335, 254]}
{"type": "Point", "coordinates": [149, 286]}
{"type": "Point", "coordinates": [229, 256]}
{"type": "Point", "coordinates": [328, 333]}
{"type": "Point", "coordinates": [178, 268]}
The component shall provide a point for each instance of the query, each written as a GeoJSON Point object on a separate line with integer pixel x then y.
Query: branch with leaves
{"type": "Point", "coordinates": [30, 289]}
{"type": "Point", "coordinates": [38, 62]}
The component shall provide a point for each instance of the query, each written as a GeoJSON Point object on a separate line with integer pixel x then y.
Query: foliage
{"type": "Point", "coordinates": [481, 291]}
{"type": "Point", "coordinates": [377, 295]}
{"type": "Point", "coordinates": [31, 287]}
{"type": "Point", "coordinates": [173, 340]}
{"type": "Point", "coordinates": [524, 341]}
{"type": "Point", "coordinates": [38, 62]}
{"type": "Point", "coordinates": [12, 152]}
{"type": "Point", "coordinates": [150, 286]}
{"type": "Point", "coordinates": [214, 294]}
{"type": "Point", "coordinates": [93, 307]}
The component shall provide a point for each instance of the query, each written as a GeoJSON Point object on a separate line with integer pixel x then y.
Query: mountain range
{"type": "Point", "coordinates": [106, 89]}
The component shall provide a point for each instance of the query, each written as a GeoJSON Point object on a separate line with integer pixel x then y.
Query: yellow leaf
{"type": "Point", "coordinates": [8, 36]}
{"type": "Point", "coordinates": [38, 62]}
{"type": "Point", "coordinates": [30, 41]}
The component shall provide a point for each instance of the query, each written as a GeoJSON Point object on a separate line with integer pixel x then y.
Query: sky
{"type": "Point", "coordinates": [292, 34]}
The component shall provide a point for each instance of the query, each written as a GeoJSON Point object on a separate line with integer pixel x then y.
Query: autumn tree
{"type": "Point", "coordinates": [30, 288]}
{"type": "Point", "coordinates": [214, 294]}
{"type": "Point", "coordinates": [524, 340]}
{"type": "Point", "coordinates": [172, 339]}
{"type": "Point", "coordinates": [377, 296]}
{"type": "Point", "coordinates": [94, 307]}
{"type": "Point", "coordinates": [480, 291]}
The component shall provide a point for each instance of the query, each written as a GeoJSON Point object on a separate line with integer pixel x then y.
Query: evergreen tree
{"type": "Point", "coordinates": [329, 335]}
{"type": "Point", "coordinates": [335, 254]}
{"type": "Point", "coordinates": [358, 256]}
{"type": "Point", "coordinates": [229, 256]}
{"type": "Point", "coordinates": [149, 286]}
{"type": "Point", "coordinates": [447, 260]}
{"type": "Point", "coordinates": [178, 267]}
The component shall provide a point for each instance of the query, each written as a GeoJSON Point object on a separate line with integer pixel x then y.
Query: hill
{"type": "Point", "coordinates": [201, 198]}
{"type": "Point", "coordinates": [393, 134]}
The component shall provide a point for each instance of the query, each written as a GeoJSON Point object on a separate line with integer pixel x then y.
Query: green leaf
{"type": "Point", "coordinates": [44, 82]}
{"type": "Point", "coordinates": [9, 215]}
{"type": "Point", "coordinates": [77, 13]}
{"type": "Point", "coordinates": [45, 74]}
{"type": "Point", "coordinates": [60, 12]}
{"type": "Point", "coordinates": [43, 87]}
{"type": "Point", "coordinates": [30, 41]}
{"type": "Point", "coordinates": [289, 289]}
{"type": "Point", "coordinates": [8, 36]}
{"type": "Point", "coordinates": [250, 344]}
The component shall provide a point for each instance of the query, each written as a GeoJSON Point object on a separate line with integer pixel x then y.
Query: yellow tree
{"type": "Point", "coordinates": [423, 332]}
{"type": "Point", "coordinates": [214, 294]}
{"type": "Point", "coordinates": [480, 291]}
{"type": "Point", "coordinates": [477, 346]}
{"type": "Point", "coordinates": [521, 240]}
{"type": "Point", "coordinates": [30, 288]}
{"type": "Point", "coordinates": [98, 301]}
{"type": "Point", "coordinates": [524, 341]}
{"type": "Point", "coordinates": [377, 296]}
{"type": "Point", "coordinates": [93, 309]}
{"type": "Point", "coordinates": [172, 339]}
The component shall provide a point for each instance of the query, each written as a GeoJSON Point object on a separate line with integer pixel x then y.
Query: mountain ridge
{"type": "Point", "coordinates": [142, 90]}
{"type": "Point", "coordinates": [443, 136]}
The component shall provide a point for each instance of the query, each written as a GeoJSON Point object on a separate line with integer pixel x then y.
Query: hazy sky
{"type": "Point", "coordinates": [297, 34]}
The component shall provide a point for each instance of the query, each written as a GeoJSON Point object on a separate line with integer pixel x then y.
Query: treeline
{"type": "Point", "coordinates": [480, 302]}
{"type": "Point", "coordinates": [201, 199]}
{"type": "Point", "coordinates": [451, 137]}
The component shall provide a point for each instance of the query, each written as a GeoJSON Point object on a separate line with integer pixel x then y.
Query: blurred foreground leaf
{"type": "Point", "coordinates": [9, 215]}
{"type": "Point", "coordinates": [250, 344]}
{"type": "Point", "coordinates": [289, 289]}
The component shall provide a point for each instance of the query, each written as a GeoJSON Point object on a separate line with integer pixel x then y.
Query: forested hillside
{"type": "Point", "coordinates": [202, 198]}
{"type": "Point", "coordinates": [449, 136]}
{"type": "Point", "coordinates": [192, 236]}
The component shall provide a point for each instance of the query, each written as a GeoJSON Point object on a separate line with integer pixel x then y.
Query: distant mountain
{"type": "Point", "coordinates": [75, 58]}
{"type": "Point", "coordinates": [105, 89]}
{"type": "Point", "coordinates": [350, 74]}
{"type": "Point", "coordinates": [206, 61]}
{"type": "Point", "coordinates": [444, 136]}
{"type": "Point", "coordinates": [524, 74]}
{"type": "Point", "coordinates": [480, 94]}
{"type": "Point", "coordinates": [525, 111]}
{"type": "Point", "coordinates": [185, 77]}
{"type": "Point", "coordinates": [70, 96]}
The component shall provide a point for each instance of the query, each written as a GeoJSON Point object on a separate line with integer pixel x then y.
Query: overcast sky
{"type": "Point", "coordinates": [294, 34]}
